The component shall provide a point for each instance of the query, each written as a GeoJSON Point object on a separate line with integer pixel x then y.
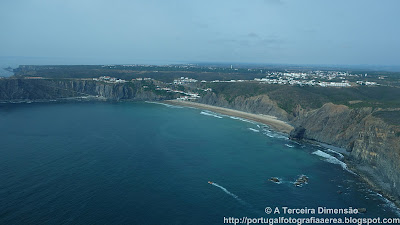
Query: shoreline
{"type": "Point", "coordinates": [362, 174]}
{"type": "Point", "coordinates": [270, 121]}
{"type": "Point", "coordinates": [283, 127]}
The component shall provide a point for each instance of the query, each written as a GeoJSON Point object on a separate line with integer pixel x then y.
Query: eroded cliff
{"type": "Point", "coordinates": [371, 136]}
{"type": "Point", "coordinates": [373, 143]}
{"type": "Point", "coordinates": [49, 89]}
{"type": "Point", "coordinates": [260, 104]}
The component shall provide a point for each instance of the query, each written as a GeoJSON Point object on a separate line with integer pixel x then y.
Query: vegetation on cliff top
{"type": "Point", "coordinates": [288, 97]}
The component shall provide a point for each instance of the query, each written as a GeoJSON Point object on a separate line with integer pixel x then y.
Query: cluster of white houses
{"type": "Point", "coordinates": [141, 78]}
{"type": "Point", "coordinates": [184, 80]}
{"type": "Point", "coordinates": [291, 81]}
{"type": "Point", "coordinates": [366, 83]}
{"type": "Point", "coordinates": [334, 84]}
{"type": "Point", "coordinates": [287, 79]}
{"type": "Point", "coordinates": [109, 79]}
{"type": "Point", "coordinates": [185, 95]}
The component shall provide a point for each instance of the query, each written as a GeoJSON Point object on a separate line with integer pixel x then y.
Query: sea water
{"type": "Point", "coordinates": [144, 163]}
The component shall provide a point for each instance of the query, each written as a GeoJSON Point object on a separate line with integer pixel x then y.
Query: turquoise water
{"type": "Point", "coordinates": [144, 163]}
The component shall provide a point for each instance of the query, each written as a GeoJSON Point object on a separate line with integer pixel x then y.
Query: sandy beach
{"type": "Point", "coordinates": [271, 121]}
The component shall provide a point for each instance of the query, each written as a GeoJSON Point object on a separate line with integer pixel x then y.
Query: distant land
{"type": "Point", "coordinates": [357, 109]}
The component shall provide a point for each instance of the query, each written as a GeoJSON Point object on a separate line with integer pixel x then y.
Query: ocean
{"type": "Point", "coordinates": [145, 163]}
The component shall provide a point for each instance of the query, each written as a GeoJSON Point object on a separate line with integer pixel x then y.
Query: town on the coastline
{"type": "Point", "coordinates": [313, 78]}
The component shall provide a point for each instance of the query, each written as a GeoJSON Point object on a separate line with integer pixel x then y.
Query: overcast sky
{"type": "Point", "coordinates": [173, 31]}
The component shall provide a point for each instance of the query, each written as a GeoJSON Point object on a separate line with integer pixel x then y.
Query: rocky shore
{"type": "Point", "coordinates": [372, 144]}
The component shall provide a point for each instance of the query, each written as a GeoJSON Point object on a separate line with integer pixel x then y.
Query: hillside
{"type": "Point", "coordinates": [362, 120]}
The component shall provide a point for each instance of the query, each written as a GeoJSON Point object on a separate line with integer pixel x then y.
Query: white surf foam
{"type": "Point", "coordinates": [210, 114]}
{"type": "Point", "coordinates": [275, 135]}
{"type": "Point", "coordinates": [290, 146]}
{"type": "Point", "coordinates": [164, 104]}
{"type": "Point", "coordinates": [255, 130]}
{"type": "Point", "coordinates": [241, 119]}
{"type": "Point", "coordinates": [269, 135]}
{"type": "Point", "coordinates": [335, 152]}
{"type": "Point", "coordinates": [332, 159]}
{"type": "Point", "coordinates": [390, 204]}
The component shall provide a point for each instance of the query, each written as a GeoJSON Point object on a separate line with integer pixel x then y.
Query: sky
{"type": "Point", "coordinates": [339, 32]}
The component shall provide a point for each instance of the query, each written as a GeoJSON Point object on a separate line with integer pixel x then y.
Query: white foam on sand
{"type": "Point", "coordinates": [207, 113]}
{"type": "Point", "coordinates": [255, 130]}
{"type": "Point", "coordinates": [332, 159]}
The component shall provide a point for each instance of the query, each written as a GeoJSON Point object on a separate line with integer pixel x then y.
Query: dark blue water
{"type": "Point", "coordinates": [143, 163]}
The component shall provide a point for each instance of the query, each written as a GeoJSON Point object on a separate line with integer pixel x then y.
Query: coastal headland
{"type": "Point", "coordinates": [361, 117]}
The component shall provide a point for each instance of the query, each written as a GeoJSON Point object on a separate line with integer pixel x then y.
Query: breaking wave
{"type": "Point", "coordinates": [255, 130]}
{"type": "Point", "coordinates": [389, 204]}
{"type": "Point", "coordinates": [335, 152]}
{"type": "Point", "coordinates": [164, 104]}
{"type": "Point", "coordinates": [275, 135]}
{"type": "Point", "coordinates": [210, 114]}
{"type": "Point", "coordinates": [332, 159]}
{"type": "Point", "coordinates": [241, 119]}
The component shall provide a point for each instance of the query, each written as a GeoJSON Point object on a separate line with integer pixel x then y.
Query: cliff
{"type": "Point", "coordinates": [52, 89]}
{"type": "Point", "coordinates": [370, 135]}
{"type": "Point", "coordinates": [373, 142]}
{"type": "Point", "coordinates": [260, 104]}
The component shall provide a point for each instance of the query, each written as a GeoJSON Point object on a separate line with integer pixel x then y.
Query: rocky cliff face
{"type": "Point", "coordinates": [47, 89]}
{"type": "Point", "coordinates": [376, 149]}
{"type": "Point", "coordinates": [21, 89]}
{"type": "Point", "coordinates": [373, 144]}
{"type": "Point", "coordinates": [260, 104]}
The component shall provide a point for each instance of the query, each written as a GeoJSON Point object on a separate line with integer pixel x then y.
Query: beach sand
{"type": "Point", "coordinates": [271, 121]}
